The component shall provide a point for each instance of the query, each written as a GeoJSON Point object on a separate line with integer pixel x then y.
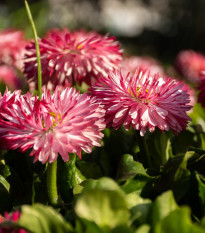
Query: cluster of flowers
{"type": "Point", "coordinates": [123, 91]}
{"type": "Point", "coordinates": [130, 92]}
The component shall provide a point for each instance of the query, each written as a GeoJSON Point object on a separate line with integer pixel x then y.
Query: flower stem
{"type": "Point", "coordinates": [37, 47]}
{"type": "Point", "coordinates": [144, 151]}
{"type": "Point", "coordinates": [52, 183]}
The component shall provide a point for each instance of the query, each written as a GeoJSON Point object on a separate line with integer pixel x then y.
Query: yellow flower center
{"type": "Point", "coordinates": [79, 46]}
{"type": "Point", "coordinates": [137, 93]}
{"type": "Point", "coordinates": [55, 119]}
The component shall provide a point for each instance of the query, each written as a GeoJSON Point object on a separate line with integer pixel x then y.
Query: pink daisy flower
{"type": "Point", "coordinates": [190, 64]}
{"type": "Point", "coordinates": [60, 123]}
{"type": "Point", "coordinates": [130, 64]}
{"type": "Point", "coordinates": [67, 56]}
{"type": "Point", "coordinates": [142, 101]}
{"type": "Point", "coordinates": [8, 75]}
{"type": "Point", "coordinates": [10, 217]}
{"type": "Point", "coordinates": [12, 44]}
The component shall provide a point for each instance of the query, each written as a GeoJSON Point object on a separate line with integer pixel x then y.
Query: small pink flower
{"type": "Point", "coordinates": [142, 101]}
{"type": "Point", "coordinates": [60, 123]}
{"type": "Point", "coordinates": [190, 64]}
{"type": "Point", "coordinates": [130, 64]}
{"type": "Point", "coordinates": [13, 218]}
{"type": "Point", "coordinates": [8, 75]}
{"type": "Point", "coordinates": [12, 44]}
{"type": "Point", "coordinates": [69, 55]}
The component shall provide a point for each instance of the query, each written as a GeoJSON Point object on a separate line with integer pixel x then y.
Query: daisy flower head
{"type": "Point", "coordinates": [190, 64]}
{"type": "Point", "coordinates": [130, 64]}
{"type": "Point", "coordinates": [142, 101]}
{"type": "Point", "coordinates": [61, 123]}
{"type": "Point", "coordinates": [72, 56]}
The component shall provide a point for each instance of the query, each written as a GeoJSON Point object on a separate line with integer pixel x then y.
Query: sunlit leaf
{"type": "Point", "coordinates": [104, 206]}
{"type": "Point", "coordinates": [143, 229]}
{"type": "Point", "coordinates": [162, 207]}
{"type": "Point", "coordinates": [177, 222]}
{"type": "Point", "coordinates": [139, 208]}
{"type": "Point", "coordinates": [43, 219]}
{"type": "Point", "coordinates": [129, 168]}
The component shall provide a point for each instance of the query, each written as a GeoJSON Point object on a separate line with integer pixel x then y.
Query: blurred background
{"type": "Point", "coordinates": [159, 28]}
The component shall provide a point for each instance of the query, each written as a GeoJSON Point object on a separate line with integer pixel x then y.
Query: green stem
{"type": "Point", "coordinates": [52, 183]}
{"type": "Point", "coordinates": [37, 47]}
{"type": "Point", "coordinates": [144, 151]}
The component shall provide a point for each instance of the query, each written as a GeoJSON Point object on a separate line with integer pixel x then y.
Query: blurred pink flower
{"type": "Point", "coordinates": [60, 123]}
{"type": "Point", "coordinates": [201, 96]}
{"type": "Point", "coordinates": [192, 94]}
{"type": "Point", "coordinates": [130, 64]}
{"type": "Point", "coordinates": [190, 64]}
{"type": "Point", "coordinates": [10, 217]}
{"type": "Point", "coordinates": [12, 44]}
{"type": "Point", "coordinates": [142, 101]}
{"type": "Point", "coordinates": [72, 56]}
{"type": "Point", "coordinates": [8, 75]}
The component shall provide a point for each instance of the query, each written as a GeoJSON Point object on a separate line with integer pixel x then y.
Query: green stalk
{"type": "Point", "coordinates": [51, 183]}
{"type": "Point", "coordinates": [37, 47]}
{"type": "Point", "coordinates": [144, 151]}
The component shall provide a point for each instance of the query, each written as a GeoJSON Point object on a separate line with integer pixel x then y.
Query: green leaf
{"type": "Point", "coordinates": [68, 177]}
{"type": "Point", "coordinates": [89, 169]}
{"type": "Point", "coordinates": [162, 207]}
{"type": "Point", "coordinates": [129, 168]}
{"type": "Point", "coordinates": [174, 176]}
{"type": "Point", "coordinates": [85, 226]}
{"type": "Point", "coordinates": [202, 223]}
{"type": "Point", "coordinates": [143, 229]}
{"type": "Point", "coordinates": [177, 222]}
{"type": "Point", "coordinates": [201, 192]}
{"type": "Point", "coordinates": [197, 150]}
{"type": "Point", "coordinates": [198, 115]}
{"type": "Point", "coordinates": [202, 137]}
{"type": "Point", "coordinates": [139, 208]}
{"type": "Point", "coordinates": [121, 229]}
{"type": "Point", "coordinates": [4, 183]}
{"type": "Point", "coordinates": [133, 199]}
{"type": "Point", "coordinates": [162, 144]}
{"type": "Point", "coordinates": [42, 219]}
{"type": "Point", "coordinates": [6, 171]}
{"type": "Point", "coordinates": [105, 207]}
{"type": "Point", "coordinates": [131, 175]}
{"type": "Point", "coordinates": [104, 183]}
{"type": "Point", "coordinates": [80, 187]}
{"type": "Point", "coordinates": [197, 161]}
{"type": "Point", "coordinates": [159, 147]}
{"type": "Point", "coordinates": [136, 184]}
